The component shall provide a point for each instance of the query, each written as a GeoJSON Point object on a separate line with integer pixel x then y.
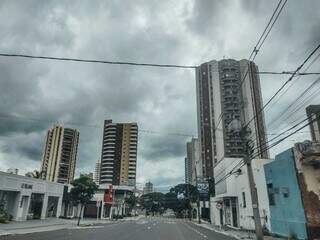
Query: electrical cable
{"type": "Point", "coordinates": [289, 80]}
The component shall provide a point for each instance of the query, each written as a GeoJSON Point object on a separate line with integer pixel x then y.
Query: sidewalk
{"type": "Point", "coordinates": [50, 224]}
{"type": "Point", "coordinates": [238, 234]}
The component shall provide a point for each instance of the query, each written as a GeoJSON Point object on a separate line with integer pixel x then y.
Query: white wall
{"type": "Point", "coordinates": [17, 183]}
{"type": "Point", "coordinates": [235, 185]}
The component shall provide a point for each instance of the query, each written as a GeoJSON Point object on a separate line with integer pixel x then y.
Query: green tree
{"type": "Point", "coordinates": [131, 201]}
{"type": "Point", "coordinates": [153, 202]}
{"type": "Point", "coordinates": [180, 197]}
{"type": "Point", "coordinates": [82, 192]}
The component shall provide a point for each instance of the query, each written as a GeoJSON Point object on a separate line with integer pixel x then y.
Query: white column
{"type": "Point", "coordinates": [44, 206]}
{"type": "Point", "coordinates": [19, 212]}
{"type": "Point", "coordinates": [102, 211]}
{"type": "Point", "coordinates": [59, 207]}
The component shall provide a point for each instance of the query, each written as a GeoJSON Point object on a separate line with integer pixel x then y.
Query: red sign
{"type": "Point", "coordinates": [108, 198]}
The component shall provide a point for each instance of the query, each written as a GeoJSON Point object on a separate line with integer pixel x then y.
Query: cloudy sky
{"type": "Point", "coordinates": [34, 94]}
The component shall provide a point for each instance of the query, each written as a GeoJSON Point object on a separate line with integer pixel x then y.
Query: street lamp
{"type": "Point", "coordinates": [235, 127]}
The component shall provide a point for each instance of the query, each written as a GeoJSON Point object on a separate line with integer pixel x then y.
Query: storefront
{"type": "Point", "coordinates": [29, 198]}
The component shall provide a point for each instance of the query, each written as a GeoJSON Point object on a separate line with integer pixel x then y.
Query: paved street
{"type": "Point", "coordinates": [141, 229]}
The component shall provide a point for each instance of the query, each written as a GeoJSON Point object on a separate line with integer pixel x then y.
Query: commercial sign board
{"type": "Point", "coordinates": [203, 187]}
{"type": "Point", "coordinates": [108, 195]}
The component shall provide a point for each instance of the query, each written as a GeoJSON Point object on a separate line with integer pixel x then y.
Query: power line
{"type": "Point", "coordinates": [280, 134]}
{"type": "Point", "coordinates": [263, 37]}
{"type": "Point", "coordinates": [264, 150]}
{"type": "Point", "coordinates": [289, 80]}
{"type": "Point", "coordinates": [96, 126]}
{"type": "Point", "coordinates": [136, 63]}
{"type": "Point", "coordinates": [286, 112]}
{"type": "Point", "coordinates": [98, 61]}
{"type": "Point", "coordinates": [267, 29]}
{"type": "Point", "coordinates": [292, 83]}
{"type": "Point", "coordinates": [287, 73]}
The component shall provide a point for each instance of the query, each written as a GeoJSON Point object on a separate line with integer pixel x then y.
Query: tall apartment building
{"type": "Point", "coordinates": [193, 165]}
{"type": "Point", "coordinates": [119, 153]}
{"type": "Point", "coordinates": [228, 89]}
{"type": "Point", "coordinates": [313, 113]}
{"type": "Point", "coordinates": [96, 175]}
{"type": "Point", "coordinates": [60, 154]}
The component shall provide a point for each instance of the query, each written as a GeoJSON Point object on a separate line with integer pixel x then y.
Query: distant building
{"type": "Point", "coordinates": [60, 154]}
{"type": "Point", "coordinates": [13, 170]}
{"type": "Point", "coordinates": [96, 176]}
{"type": "Point", "coordinates": [187, 170]}
{"type": "Point", "coordinates": [119, 153]}
{"type": "Point", "coordinates": [219, 100]}
{"type": "Point", "coordinates": [148, 188]}
{"type": "Point", "coordinates": [313, 113]}
{"type": "Point", "coordinates": [293, 183]}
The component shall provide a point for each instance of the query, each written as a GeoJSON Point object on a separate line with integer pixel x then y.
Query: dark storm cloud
{"type": "Point", "coordinates": [164, 147]}
{"type": "Point", "coordinates": [25, 145]}
{"type": "Point", "coordinates": [163, 100]}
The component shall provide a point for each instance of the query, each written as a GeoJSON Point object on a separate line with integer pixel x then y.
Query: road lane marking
{"type": "Point", "coordinates": [195, 230]}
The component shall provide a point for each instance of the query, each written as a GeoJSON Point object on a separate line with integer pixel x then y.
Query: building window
{"type": "Point", "coordinates": [271, 192]}
{"type": "Point", "coordinates": [285, 192]}
{"type": "Point", "coordinates": [244, 203]}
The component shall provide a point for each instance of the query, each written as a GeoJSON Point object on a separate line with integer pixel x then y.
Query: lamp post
{"type": "Point", "coordinates": [236, 127]}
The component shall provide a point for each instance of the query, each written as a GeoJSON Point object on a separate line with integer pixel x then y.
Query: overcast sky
{"type": "Point", "coordinates": [163, 100]}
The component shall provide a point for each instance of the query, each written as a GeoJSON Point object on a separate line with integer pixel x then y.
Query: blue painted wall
{"type": "Point", "coordinates": [286, 215]}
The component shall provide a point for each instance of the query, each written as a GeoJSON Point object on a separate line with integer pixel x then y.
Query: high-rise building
{"type": "Point", "coordinates": [119, 153]}
{"type": "Point", "coordinates": [313, 113]}
{"type": "Point", "coordinates": [192, 167]}
{"type": "Point", "coordinates": [60, 154]}
{"type": "Point", "coordinates": [228, 89]}
{"type": "Point", "coordinates": [148, 188]}
{"type": "Point", "coordinates": [96, 175]}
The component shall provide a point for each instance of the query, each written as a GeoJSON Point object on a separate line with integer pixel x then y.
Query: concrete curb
{"type": "Point", "coordinates": [217, 231]}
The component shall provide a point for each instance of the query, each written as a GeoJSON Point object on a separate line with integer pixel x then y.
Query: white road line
{"type": "Point", "coordinates": [195, 230]}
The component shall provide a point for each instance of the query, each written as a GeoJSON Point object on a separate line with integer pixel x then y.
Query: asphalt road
{"type": "Point", "coordinates": [142, 229]}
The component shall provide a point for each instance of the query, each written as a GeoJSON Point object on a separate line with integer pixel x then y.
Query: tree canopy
{"type": "Point", "coordinates": [82, 192]}
{"type": "Point", "coordinates": [179, 199]}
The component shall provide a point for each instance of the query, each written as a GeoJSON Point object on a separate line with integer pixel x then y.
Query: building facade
{"type": "Point", "coordinates": [227, 90]}
{"type": "Point", "coordinates": [187, 170]}
{"type": "Point", "coordinates": [119, 153]}
{"type": "Point", "coordinates": [232, 205]}
{"type": "Point", "coordinates": [27, 198]}
{"type": "Point", "coordinates": [96, 175]}
{"type": "Point", "coordinates": [293, 183]}
{"type": "Point", "coordinates": [313, 113]}
{"type": "Point", "coordinates": [60, 154]}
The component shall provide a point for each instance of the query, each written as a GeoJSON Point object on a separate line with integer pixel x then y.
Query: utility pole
{"type": "Point", "coordinates": [243, 132]}
{"type": "Point", "coordinates": [254, 199]}
{"type": "Point", "coordinates": [198, 196]}
{"type": "Point", "coordinates": [252, 185]}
